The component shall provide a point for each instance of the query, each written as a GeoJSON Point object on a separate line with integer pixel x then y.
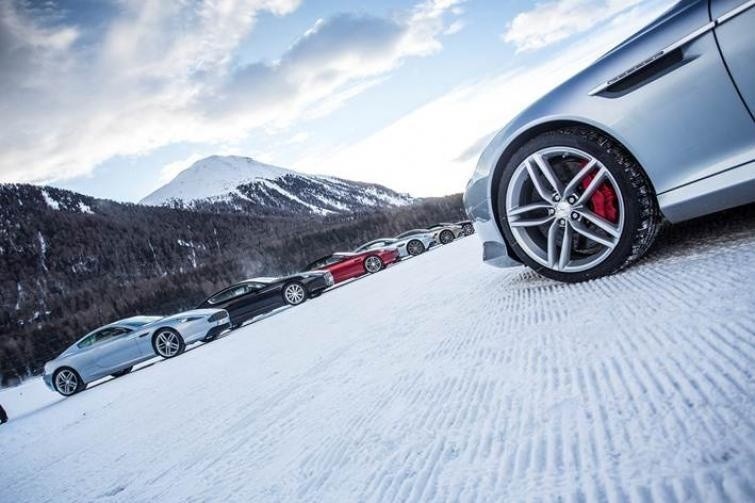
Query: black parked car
{"type": "Point", "coordinates": [257, 296]}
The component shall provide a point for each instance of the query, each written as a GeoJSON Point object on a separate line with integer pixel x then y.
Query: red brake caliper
{"type": "Point", "coordinates": [603, 201]}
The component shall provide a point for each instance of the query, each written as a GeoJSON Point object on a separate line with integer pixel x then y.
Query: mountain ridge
{"type": "Point", "coordinates": [242, 184]}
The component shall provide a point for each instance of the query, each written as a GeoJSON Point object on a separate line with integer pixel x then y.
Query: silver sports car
{"type": "Point", "coordinates": [115, 348]}
{"type": "Point", "coordinates": [663, 125]}
{"type": "Point", "coordinates": [408, 244]}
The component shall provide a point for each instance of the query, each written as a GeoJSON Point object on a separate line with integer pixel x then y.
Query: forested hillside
{"type": "Point", "coordinates": [69, 263]}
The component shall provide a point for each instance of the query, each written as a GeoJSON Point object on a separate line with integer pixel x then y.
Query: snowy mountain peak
{"type": "Point", "coordinates": [211, 177]}
{"type": "Point", "coordinates": [232, 183]}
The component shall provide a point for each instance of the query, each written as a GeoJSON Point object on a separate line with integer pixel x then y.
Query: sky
{"type": "Point", "coordinates": [113, 98]}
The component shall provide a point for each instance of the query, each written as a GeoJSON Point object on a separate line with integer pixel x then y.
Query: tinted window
{"type": "Point", "coordinates": [232, 293]}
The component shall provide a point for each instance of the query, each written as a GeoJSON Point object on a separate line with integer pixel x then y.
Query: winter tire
{"type": "Point", "coordinates": [415, 247]}
{"type": "Point", "coordinates": [294, 294]}
{"type": "Point", "coordinates": [574, 205]}
{"type": "Point", "coordinates": [373, 264]}
{"type": "Point", "coordinates": [68, 382]}
{"type": "Point", "coordinates": [121, 373]}
{"type": "Point", "coordinates": [467, 229]}
{"type": "Point", "coordinates": [446, 237]}
{"type": "Point", "coordinates": [168, 343]}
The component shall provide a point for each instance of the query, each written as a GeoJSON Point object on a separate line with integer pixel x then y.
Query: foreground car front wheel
{"type": "Point", "coordinates": [415, 247]}
{"type": "Point", "coordinates": [294, 294]}
{"type": "Point", "coordinates": [168, 343]}
{"type": "Point", "coordinates": [373, 264]}
{"type": "Point", "coordinates": [68, 382]}
{"type": "Point", "coordinates": [574, 205]}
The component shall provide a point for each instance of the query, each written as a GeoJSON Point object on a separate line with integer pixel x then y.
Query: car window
{"type": "Point", "coordinates": [411, 233]}
{"type": "Point", "coordinates": [103, 335]}
{"type": "Point", "coordinates": [318, 264]}
{"type": "Point", "coordinates": [231, 293]}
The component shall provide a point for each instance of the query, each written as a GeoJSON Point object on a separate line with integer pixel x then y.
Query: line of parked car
{"type": "Point", "coordinates": [114, 349]}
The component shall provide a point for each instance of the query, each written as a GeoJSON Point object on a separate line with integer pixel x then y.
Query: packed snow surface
{"type": "Point", "coordinates": [438, 379]}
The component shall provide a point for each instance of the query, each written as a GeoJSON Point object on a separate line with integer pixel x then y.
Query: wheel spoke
{"type": "Point", "coordinates": [581, 229]}
{"type": "Point", "coordinates": [600, 222]}
{"type": "Point", "coordinates": [552, 244]}
{"type": "Point", "coordinates": [547, 172]}
{"type": "Point", "coordinates": [544, 195]}
{"type": "Point", "coordinates": [592, 187]}
{"type": "Point", "coordinates": [577, 180]}
{"type": "Point", "coordinates": [533, 222]}
{"type": "Point", "coordinates": [565, 255]}
{"type": "Point", "coordinates": [526, 209]}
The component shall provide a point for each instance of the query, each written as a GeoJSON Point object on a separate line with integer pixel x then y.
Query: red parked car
{"type": "Point", "coordinates": [345, 266]}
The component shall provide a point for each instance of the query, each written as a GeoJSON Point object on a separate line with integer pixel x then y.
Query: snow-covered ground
{"type": "Point", "coordinates": [440, 379]}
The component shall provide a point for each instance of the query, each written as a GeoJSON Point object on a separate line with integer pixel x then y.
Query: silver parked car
{"type": "Point", "coordinates": [662, 126]}
{"type": "Point", "coordinates": [408, 244]}
{"type": "Point", "coordinates": [115, 348]}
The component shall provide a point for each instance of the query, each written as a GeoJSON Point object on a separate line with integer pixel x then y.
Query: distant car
{"type": "Point", "coordinates": [115, 348]}
{"type": "Point", "coordinates": [409, 245]}
{"type": "Point", "coordinates": [446, 233]}
{"type": "Point", "coordinates": [258, 296]}
{"type": "Point", "coordinates": [467, 227]}
{"type": "Point", "coordinates": [345, 266]}
{"type": "Point", "coordinates": [662, 126]}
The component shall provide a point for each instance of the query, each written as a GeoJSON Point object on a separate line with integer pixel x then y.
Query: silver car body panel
{"type": "Point", "coordinates": [687, 124]}
{"type": "Point", "coordinates": [107, 357]}
{"type": "Point", "coordinates": [398, 244]}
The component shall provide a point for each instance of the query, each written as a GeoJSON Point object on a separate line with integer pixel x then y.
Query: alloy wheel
{"type": "Point", "coordinates": [415, 247]}
{"type": "Point", "coordinates": [446, 237]}
{"type": "Point", "coordinates": [373, 264]}
{"type": "Point", "coordinates": [565, 209]}
{"type": "Point", "coordinates": [168, 344]}
{"type": "Point", "coordinates": [294, 294]}
{"type": "Point", "coordinates": [66, 382]}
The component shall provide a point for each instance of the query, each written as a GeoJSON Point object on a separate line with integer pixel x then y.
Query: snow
{"type": "Point", "coordinates": [52, 203]}
{"type": "Point", "coordinates": [215, 176]}
{"type": "Point", "coordinates": [438, 379]}
{"type": "Point", "coordinates": [85, 208]}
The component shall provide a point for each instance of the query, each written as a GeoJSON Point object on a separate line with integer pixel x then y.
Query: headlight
{"type": "Point", "coordinates": [220, 315]}
{"type": "Point", "coordinates": [329, 279]}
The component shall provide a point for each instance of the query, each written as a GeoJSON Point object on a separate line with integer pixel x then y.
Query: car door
{"type": "Point", "coordinates": [735, 32]}
{"type": "Point", "coordinates": [269, 297]}
{"type": "Point", "coordinates": [341, 268]}
{"type": "Point", "coordinates": [114, 348]}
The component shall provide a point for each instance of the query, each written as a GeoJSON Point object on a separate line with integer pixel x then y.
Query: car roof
{"type": "Point", "coordinates": [261, 279]}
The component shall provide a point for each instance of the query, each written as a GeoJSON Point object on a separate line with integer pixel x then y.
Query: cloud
{"type": "Point", "coordinates": [557, 20]}
{"type": "Point", "coordinates": [433, 150]}
{"type": "Point", "coordinates": [159, 73]}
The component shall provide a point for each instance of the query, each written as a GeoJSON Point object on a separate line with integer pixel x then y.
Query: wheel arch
{"type": "Point", "coordinates": [160, 329]}
{"type": "Point", "coordinates": [66, 367]}
{"type": "Point", "coordinates": [529, 133]}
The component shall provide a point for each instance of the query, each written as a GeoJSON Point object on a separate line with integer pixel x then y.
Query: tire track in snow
{"type": "Point", "coordinates": [487, 386]}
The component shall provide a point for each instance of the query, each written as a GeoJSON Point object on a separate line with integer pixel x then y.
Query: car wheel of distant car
{"type": "Point", "coordinates": [294, 294]}
{"type": "Point", "coordinates": [122, 373]}
{"type": "Point", "coordinates": [415, 247]}
{"type": "Point", "coordinates": [68, 382]}
{"type": "Point", "coordinates": [168, 343]}
{"type": "Point", "coordinates": [468, 229]}
{"type": "Point", "coordinates": [373, 264]}
{"type": "Point", "coordinates": [446, 237]}
{"type": "Point", "coordinates": [574, 205]}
